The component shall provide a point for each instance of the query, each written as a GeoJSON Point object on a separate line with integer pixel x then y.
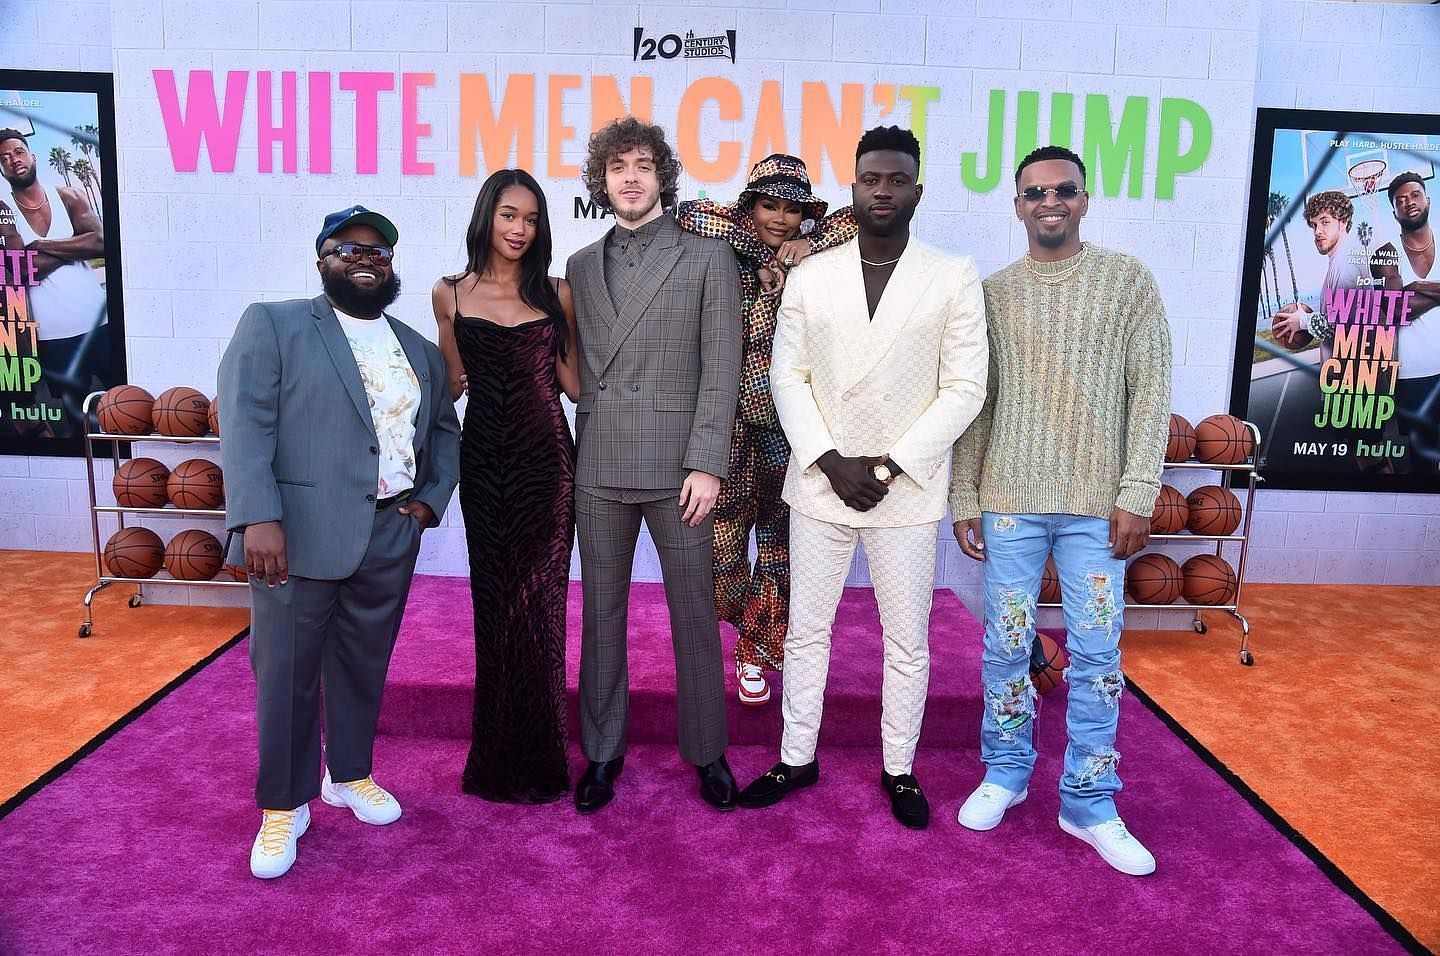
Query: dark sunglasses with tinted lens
{"type": "Point", "coordinates": [355, 251]}
{"type": "Point", "coordinates": [1064, 192]}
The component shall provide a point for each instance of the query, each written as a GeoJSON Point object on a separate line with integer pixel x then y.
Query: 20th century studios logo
{"type": "Point", "coordinates": [670, 46]}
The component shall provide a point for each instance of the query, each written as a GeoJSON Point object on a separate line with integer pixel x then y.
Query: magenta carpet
{"type": "Point", "coordinates": [142, 846]}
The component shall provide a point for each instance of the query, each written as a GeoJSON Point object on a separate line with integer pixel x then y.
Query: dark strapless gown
{"type": "Point", "coordinates": [517, 493]}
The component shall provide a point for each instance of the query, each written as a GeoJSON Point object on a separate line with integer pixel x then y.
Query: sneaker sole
{"type": "Point", "coordinates": [1127, 868]}
{"type": "Point", "coordinates": [982, 827]}
{"type": "Point", "coordinates": [337, 802]}
{"type": "Point", "coordinates": [750, 701]}
{"type": "Point", "coordinates": [275, 876]}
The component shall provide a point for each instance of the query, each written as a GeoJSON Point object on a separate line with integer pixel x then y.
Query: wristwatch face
{"type": "Point", "coordinates": [882, 473]}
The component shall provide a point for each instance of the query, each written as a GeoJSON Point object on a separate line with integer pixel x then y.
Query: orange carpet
{"type": "Point", "coordinates": [58, 691]}
{"type": "Point", "coordinates": [1334, 727]}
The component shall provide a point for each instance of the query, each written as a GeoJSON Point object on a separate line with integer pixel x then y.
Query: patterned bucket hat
{"type": "Point", "coordinates": [784, 177]}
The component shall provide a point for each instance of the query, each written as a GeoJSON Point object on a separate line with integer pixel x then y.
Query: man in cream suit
{"type": "Point", "coordinates": [879, 364]}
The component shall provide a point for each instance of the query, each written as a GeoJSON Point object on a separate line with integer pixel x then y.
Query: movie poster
{"type": "Point", "coordinates": [61, 324]}
{"type": "Point", "coordinates": [1337, 356]}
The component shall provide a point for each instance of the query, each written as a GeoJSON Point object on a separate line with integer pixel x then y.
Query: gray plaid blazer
{"type": "Point", "coordinates": [661, 370]}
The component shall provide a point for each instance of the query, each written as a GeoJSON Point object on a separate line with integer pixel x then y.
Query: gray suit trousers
{"type": "Point", "coordinates": [607, 532]}
{"type": "Point", "coordinates": [308, 634]}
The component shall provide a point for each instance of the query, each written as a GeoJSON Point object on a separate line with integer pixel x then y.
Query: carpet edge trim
{"type": "Point", "coordinates": [1337, 876]}
{"type": "Point", "coordinates": [120, 723]}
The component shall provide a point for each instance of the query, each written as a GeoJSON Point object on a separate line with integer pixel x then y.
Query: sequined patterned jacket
{"type": "Point", "coordinates": [733, 224]}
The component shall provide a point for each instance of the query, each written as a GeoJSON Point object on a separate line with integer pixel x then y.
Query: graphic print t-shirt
{"type": "Point", "coordinates": [394, 393]}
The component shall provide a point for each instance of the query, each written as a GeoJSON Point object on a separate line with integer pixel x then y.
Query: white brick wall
{"type": "Point", "coordinates": [184, 292]}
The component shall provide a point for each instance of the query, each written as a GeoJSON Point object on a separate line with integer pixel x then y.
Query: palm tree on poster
{"type": "Point", "coordinates": [1270, 257]}
{"type": "Point", "coordinates": [1277, 204]}
{"type": "Point", "coordinates": [1364, 233]}
{"type": "Point", "coordinates": [1266, 310]}
{"type": "Point", "coordinates": [60, 160]}
{"type": "Point", "coordinates": [86, 174]}
{"type": "Point", "coordinates": [84, 139]}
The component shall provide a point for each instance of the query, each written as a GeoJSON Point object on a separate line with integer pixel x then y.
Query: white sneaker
{"type": "Point", "coordinates": [366, 799]}
{"type": "Point", "coordinates": [754, 689]}
{"type": "Point", "coordinates": [1115, 845]}
{"type": "Point", "coordinates": [985, 808]}
{"type": "Point", "coordinates": [273, 852]}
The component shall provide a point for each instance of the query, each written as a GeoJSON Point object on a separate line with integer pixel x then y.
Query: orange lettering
{"type": "Point", "coordinates": [727, 163]}
{"type": "Point", "coordinates": [769, 135]}
{"type": "Point", "coordinates": [606, 104]}
{"type": "Point", "coordinates": [495, 133]}
{"type": "Point", "coordinates": [557, 133]}
{"type": "Point", "coordinates": [821, 131]}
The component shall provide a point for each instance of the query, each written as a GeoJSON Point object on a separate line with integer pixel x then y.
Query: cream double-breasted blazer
{"type": "Point", "coordinates": [906, 383]}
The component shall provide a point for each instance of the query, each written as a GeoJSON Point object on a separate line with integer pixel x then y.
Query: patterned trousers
{"type": "Point", "coordinates": [756, 601]}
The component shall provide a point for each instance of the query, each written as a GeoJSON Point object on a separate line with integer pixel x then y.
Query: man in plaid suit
{"type": "Point", "coordinates": [658, 313]}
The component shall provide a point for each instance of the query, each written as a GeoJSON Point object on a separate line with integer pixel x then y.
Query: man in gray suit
{"type": "Point", "coordinates": [658, 312]}
{"type": "Point", "coordinates": [340, 445]}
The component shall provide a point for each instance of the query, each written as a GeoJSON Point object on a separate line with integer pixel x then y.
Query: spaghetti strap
{"type": "Point", "coordinates": [455, 289]}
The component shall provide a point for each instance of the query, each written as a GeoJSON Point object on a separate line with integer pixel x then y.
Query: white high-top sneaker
{"type": "Point", "coordinates": [366, 799]}
{"type": "Point", "coordinates": [1115, 844]}
{"type": "Point", "coordinates": [273, 852]}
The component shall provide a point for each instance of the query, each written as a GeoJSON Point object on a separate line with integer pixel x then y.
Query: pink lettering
{"type": "Point", "coordinates": [319, 104]}
{"type": "Point", "coordinates": [268, 133]}
{"type": "Point", "coordinates": [367, 88]}
{"type": "Point", "coordinates": [202, 119]}
{"type": "Point", "coordinates": [411, 129]}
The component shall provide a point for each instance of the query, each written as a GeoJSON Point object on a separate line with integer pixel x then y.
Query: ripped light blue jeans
{"type": "Point", "coordinates": [1092, 585]}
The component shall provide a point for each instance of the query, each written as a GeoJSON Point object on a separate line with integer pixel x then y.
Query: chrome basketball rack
{"type": "Point", "coordinates": [103, 578]}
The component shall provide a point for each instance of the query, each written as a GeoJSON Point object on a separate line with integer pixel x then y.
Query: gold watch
{"type": "Point", "coordinates": [882, 473]}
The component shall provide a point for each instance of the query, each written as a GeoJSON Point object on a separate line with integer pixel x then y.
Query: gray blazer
{"type": "Point", "coordinates": [662, 370]}
{"type": "Point", "coordinates": [297, 442]}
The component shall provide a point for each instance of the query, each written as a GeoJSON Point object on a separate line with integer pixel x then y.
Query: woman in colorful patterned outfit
{"type": "Point", "coordinates": [765, 226]}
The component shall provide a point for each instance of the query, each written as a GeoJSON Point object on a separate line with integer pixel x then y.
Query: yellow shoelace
{"type": "Point", "coordinates": [368, 791]}
{"type": "Point", "coordinates": [275, 831]}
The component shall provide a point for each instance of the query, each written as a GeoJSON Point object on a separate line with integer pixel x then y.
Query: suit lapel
{"type": "Point", "coordinates": [908, 284]}
{"type": "Point", "coordinates": [658, 265]}
{"type": "Point", "coordinates": [415, 354]}
{"type": "Point", "coordinates": [342, 356]}
{"type": "Point", "coordinates": [593, 341]}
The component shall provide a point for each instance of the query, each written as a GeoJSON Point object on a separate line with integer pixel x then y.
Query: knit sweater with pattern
{"type": "Point", "coordinates": [1078, 407]}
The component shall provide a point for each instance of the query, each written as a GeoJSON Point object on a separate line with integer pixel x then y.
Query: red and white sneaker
{"type": "Point", "coordinates": [754, 688]}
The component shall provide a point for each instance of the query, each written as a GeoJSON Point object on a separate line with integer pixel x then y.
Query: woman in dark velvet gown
{"type": "Point", "coordinates": [507, 331]}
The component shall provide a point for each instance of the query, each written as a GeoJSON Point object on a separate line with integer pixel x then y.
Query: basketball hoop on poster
{"type": "Point", "coordinates": [1365, 177]}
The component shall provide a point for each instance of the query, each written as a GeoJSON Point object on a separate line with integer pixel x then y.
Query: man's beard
{"type": "Point", "coordinates": [637, 214]}
{"type": "Point", "coordinates": [1052, 240]}
{"type": "Point", "coordinates": [897, 224]}
{"type": "Point", "coordinates": [23, 182]}
{"type": "Point", "coordinates": [353, 300]}
{"type": "Point", "coordinates": [1418, 223]}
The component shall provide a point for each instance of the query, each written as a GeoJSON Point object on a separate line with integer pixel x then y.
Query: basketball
{"type": "Point", "coordinates": [140, 483]}
{"type": "Point", "coordinates": [181, 412]}
{"type": "Point", "coordinates": [134, 553]}
{"type": "Point", "coordinates": [1153, 578]}
{"type": "Point", "coordinates": [1295, 340]}
{"type": "Point", "coordinates": [125, 410]}
{"type": "Point", "coordinates": [1181, 445]}
{"type": "Point", "coordinates": [1208, 580]}
{"type": "Point", "coordinates": [1223, 440]}
{"type": "Point", "coordinates": [213, 416]}
{"type": "Point", "coordinates": [1047, 664]}
{"type": "Point", "coordinates": [193, 555]}
{"type": "Point", "coordinates": [196, 483]}
{"type": "Point", "coordinates": [1050, 583]}
{"type": "Point", "coordinates": [1170, 512]}
{"type": "Point", "coordinates": [1213, 510]}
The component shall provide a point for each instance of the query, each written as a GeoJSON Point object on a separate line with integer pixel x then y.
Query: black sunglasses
{"type": "Point", "coordinates": [1064, 191]}
{"type": "Point", "coordinates": [355, 251]}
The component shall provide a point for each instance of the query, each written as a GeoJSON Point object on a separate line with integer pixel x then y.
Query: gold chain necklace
{"type": "Point", "coordinates": [44, 201]}
{"type": "Point", "coordinates": [1424, 248]}
{"type": "Point", "coordinates": [1055, 278]}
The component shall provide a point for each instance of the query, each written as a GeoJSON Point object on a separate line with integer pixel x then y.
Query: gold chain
{"type": "Point", "coordinates": [1057, 277]}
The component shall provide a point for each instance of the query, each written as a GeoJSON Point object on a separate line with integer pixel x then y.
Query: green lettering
{"type": "Point", "coordinates": [1173, 162]}
{"type": "Point", "coordinates": [920, 98]}
{"type": "Point", "coordinates": [1107, 155]}
{"type": "Point", "coordinates": [969, 173]}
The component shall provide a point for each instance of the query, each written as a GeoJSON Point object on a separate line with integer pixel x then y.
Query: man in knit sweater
{"type": "Point", "coordinates": [1065, 456]}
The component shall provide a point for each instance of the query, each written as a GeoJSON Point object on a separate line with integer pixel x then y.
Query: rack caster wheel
{"type": "Point", "coordinates": [134, 600]}
{"type": "Point", "coordinates": [1200, 627]}
{"type": "Point", "coordinates": [84, 630]}
{"type": "Point", "coordinates": [1247, 658]}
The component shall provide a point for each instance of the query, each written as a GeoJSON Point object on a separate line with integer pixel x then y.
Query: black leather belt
{"type": "Point", "coordinates": [382, 503]}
